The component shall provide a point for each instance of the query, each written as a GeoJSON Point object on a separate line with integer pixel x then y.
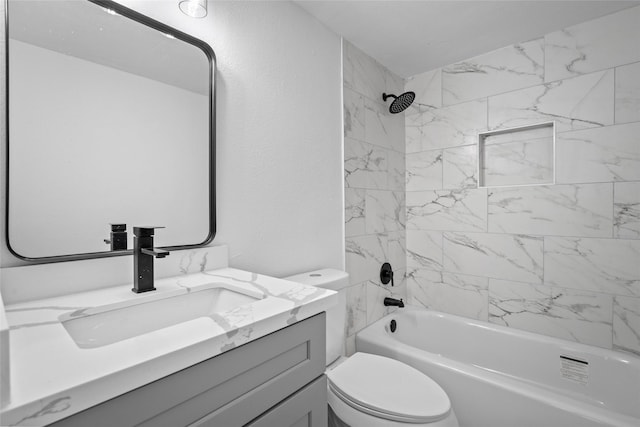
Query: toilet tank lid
{"type": "Point", "coordinates": [326, 278]}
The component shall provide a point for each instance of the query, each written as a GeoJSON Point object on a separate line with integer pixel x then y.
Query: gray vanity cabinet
{"type": "Point", "coordinates": [306, 408]}
{"type": "Point", "coordinates": [276, 380]}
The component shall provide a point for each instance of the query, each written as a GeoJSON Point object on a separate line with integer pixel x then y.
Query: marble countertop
{"type": "Point", "coordinates": [52, 378]}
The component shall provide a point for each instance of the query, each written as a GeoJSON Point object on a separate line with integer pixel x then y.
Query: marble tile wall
{"type": "Point", "coordinates": [374, 176]}
{"type": "Point", "coordinates": [558, 259]}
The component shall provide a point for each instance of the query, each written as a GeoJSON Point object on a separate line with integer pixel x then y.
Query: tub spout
{"type": "Point", "coordinates": [393, 302]}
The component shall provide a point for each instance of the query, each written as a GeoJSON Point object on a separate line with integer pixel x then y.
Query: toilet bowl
{"type": "Point", "coordinates": [367, 390]}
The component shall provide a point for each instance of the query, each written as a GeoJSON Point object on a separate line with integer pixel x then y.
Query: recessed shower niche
{"type": "Point", "coordinates": [517, 156]}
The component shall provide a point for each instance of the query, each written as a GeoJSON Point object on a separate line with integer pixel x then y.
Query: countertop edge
{"type": "Point", "coordinates": [62, 404]}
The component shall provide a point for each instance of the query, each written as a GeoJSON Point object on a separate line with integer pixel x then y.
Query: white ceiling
{"type": "Point", "coordinates": [411, 37]}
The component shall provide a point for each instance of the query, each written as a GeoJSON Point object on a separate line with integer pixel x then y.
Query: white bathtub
{"type": "Point", "coordinates": [500, 377]}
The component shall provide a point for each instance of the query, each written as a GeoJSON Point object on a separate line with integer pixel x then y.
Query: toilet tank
{"type": "Point", "coordinates": [338, 281]}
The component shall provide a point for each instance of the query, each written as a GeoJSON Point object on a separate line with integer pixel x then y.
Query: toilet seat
{"type": "Point", "coordinates": [388, 389]}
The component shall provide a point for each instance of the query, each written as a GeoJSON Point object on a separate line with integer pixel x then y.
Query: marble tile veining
{"type": "Point", "coordinates": [579, 316]}
{"type": "Point", "coordinates": [500, 256]}
{"type": "Point", "coordinates": [427, 87]}
{"type": "Point", "coordinates": [354, 211]}
{"type": "Point", "coordinates": [455, 210]}
{"type": "Point", "coordinates": [399, 290]}
{"type": "Point", "coordinates": [610, 153]}
{"type": "Point", "coordinates": [383, 128]}
{"type": "Point", "coordinates": [376, 293]}
{"type": "Point", "coordinates": [626, 324]}
{"type": "Point", "coordinates": [356, 308]}
{"type": "Point", "coordinates": [424, 249]}
{"type": "Point", "coordinates": [503, 70]}
{"type": "Point", "coordinates": [350, 345]}
{"type": "Point", "coordinates": [561, 210]}
{"type": "Point", "coordinates": [593, 45]}
{"type": "Point", "coordinates": [397, 250]}
{"type": "Point", "coordinates": [395, 171]}
{"type": "Point", "coordinates": [414, 132]}
{"type": "Point", "coordinates": [400, 211]}
{"type": "Point", "coordinates": [384, 211]}
{"type": "Point", "coordinates": [450, 293]}
{"type": "Point", "coordinates": [365, 166]}
{"type": "Point", "coordinates": [365, 75]}
{"type": "Point", "coordinates": [453, 126]}
{"type": "Point", "coordinates": [460, 167]}
{"type": "Point", "coordinates": [353, 115]}
{"type": "Point", "coordinates": [601, 265]}
{"type": "Point", "coordinates": [628, 93]}
{"type": "Point", "coordinates": [424, 170]}
{"type": "Point", "coordinates": [364, 256]}
{"type": "Point", "coordinates": [520, 305]}
{"type": "Point", "coordinates": [626, 210]}
{"type": "Point", "coordinates": [582, 102]}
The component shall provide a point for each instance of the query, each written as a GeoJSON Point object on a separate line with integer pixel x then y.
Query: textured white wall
{"type": "Point", "coordinates": [279, 129]}
{"type": "Point", "coordinates": [279, 133]}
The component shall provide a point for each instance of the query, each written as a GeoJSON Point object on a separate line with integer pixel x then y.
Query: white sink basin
{"type": "Point", "coordinates": [108, 324]}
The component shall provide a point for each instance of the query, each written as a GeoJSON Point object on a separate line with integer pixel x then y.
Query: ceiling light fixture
{"type": "Point", "coordinates": [194, 8]}
{"type": "Point", "coordinates": [110, 11]}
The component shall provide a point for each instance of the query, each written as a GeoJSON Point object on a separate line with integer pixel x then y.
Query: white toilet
{"type": "Point", "coordinates": [367, 390]}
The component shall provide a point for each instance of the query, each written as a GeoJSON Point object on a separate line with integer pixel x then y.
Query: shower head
{"type": "Point", "coordinates": [400, 103]}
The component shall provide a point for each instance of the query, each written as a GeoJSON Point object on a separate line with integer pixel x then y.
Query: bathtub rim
{"type": "Point", "coordinates": [378, 335]}
{"type": "Point", "coordinates": [617, 354]}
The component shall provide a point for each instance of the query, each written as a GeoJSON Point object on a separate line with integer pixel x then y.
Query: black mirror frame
{"type": "Point", "coordinates": [159, 26]}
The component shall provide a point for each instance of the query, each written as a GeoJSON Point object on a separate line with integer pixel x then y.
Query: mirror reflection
{"type": "Point", "coordinates": [110, 122]}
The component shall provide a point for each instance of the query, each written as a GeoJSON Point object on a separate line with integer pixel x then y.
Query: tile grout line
{"type": "Point", "coordinates": [520, 282]}
{"type": "Point", "coordinates": [615, 72]}
{"type": "Point", "coordinates": [613, 298]}
{"type": "Point", "coordinates": [613, 210]}
{"type": "Point", "coordinates": [544, 253]}
{"type": "Point", "coordinates": [543, 83]}
{"type": "Point", "coordinates": [528, 235]}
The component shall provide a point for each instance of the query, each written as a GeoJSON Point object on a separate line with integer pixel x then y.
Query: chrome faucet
{"type": "Point", "coordinates": [143, 255]}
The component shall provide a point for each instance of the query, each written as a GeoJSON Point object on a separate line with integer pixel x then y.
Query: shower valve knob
{"type": "Point", "coordinates": [386, 274]}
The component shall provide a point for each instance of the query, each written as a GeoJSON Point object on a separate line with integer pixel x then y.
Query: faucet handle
{"type": "Point", "coordinates": [118, 227]}
{"type": "Point", "coordinates": [118, 237]}
{"type": "Point", "coordinates": [386, 274]}
{"type": "Point", "coordinates": [144, 231]}
{"type": "Point", "coordinates": [155, 252]}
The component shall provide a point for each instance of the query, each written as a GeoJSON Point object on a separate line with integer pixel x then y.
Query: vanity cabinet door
{"type": "Point", "coordinates": [305, 408]}
{"type": "Point", "coordinates": [231, 389]}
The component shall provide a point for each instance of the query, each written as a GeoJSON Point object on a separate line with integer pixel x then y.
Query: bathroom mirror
{"type": "Point", "coordinates": [111, 119]}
